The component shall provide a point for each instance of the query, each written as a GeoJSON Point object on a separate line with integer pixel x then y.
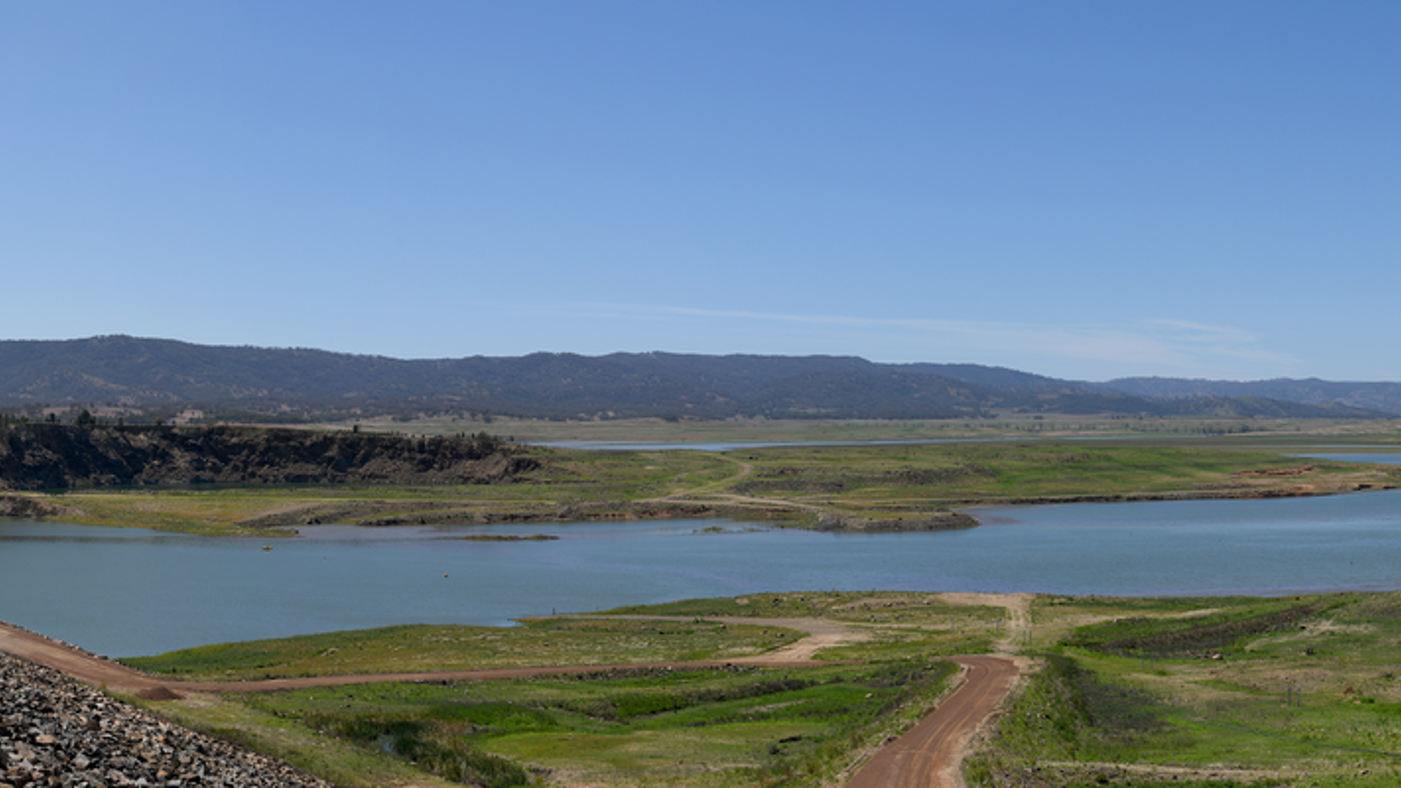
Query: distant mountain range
{"type": "Point", "coordinates": [1383, 397]}
{"type": "Point", "coordinates": [156, 374]}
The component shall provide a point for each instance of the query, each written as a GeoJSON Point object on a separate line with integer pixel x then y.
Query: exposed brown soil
{"type": "Point", "coordinates": [1129, 774]}
{"type": "Point", "coordinates": [931, 753]}
{"type": "Point", "coordinates": [1297, 471]}
{"type": "Point", "coordinates": [821, 633]}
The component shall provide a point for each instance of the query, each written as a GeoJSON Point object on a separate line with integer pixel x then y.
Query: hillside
{"type": "Point", "coordinates": [151, 377]}
{"type": "Point", "coordinates": [1385, 397]}
{"type": "Point", "coordinates": [47, 456]}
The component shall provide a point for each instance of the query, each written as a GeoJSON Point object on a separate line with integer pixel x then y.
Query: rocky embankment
{"type": "Point", "coordinates": [28, 507]}
{"type": "Point", "coordinates": [50, 456]}
{"type": "Point", "coordinates": [58, 732]}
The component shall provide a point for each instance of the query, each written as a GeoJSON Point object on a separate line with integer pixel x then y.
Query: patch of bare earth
{"type": "Point", "coordinates": [1128, 770]}
{"type": "Point", "coordinates": [932, 752]}
{"type": "Point", "coordinates": [821, 633]}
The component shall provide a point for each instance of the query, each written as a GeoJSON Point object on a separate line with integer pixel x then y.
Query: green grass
{"type": "Point", "coordinates": [1302, 685]}
{"type": "Point", "coordinates": [736, 726]}
{"type": "Point", "coordinates": [1130, 693]}
{"type": "Point", "coordinates": [902, 625]}
{"type": "Point", "coordinates": [792, 483]}
{"type": "Point", "coordinates": [1098, 713]}
{"type": "Point", "coordinates": [281, 736]}
{"type": "Point", "coordinates": [1224, 626]}
{"type": "Point", "coordinates": [428, 648]}
{"type": "Point", "coordinates": [722, 727]}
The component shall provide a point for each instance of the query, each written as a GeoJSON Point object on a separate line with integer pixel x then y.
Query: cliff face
{"type": "Point", "coordinates": [43, 456]}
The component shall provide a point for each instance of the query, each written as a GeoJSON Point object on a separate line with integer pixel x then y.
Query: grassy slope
{"type": "Point", "coordinates": [725, 727]}
{"type": "Point", "coordinates": [1129, 694]}
{"type": "Point", "coordinates": [425, 648]}
{"type": "Point", "coordinates": [901, 625]}
{"type": "Point", "coordinates": [1304, 692]}
{"type": "Point", "coordinates": [344, 763]}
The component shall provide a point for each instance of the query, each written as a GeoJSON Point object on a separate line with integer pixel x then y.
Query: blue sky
{"type": "Point", "coordinates": [1079, 189]}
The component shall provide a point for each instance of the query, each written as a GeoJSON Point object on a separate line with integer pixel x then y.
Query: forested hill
{"type": "Point", "coordinates": [299, 384]}
{"type": "Point", "coordinates": [1385, 397]}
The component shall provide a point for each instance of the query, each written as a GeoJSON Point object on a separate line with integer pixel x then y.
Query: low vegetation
{"type": "Point", "coordinates": [901, 486]}
{"type": "Point", "coordinates": [730, 725]}
{"type": "Point", "coordinates": [1228, 691]}
{"type": "Point", "coordinates": [1295, 691]}
{"type": "Point", "coordinates": [554, 641]}
{"type": "Point", "coordinates": [1207, 692]}
{"type": "Point", "coordinates": [723, 726]}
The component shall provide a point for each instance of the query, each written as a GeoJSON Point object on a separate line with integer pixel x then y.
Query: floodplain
{"type": "Point", "coordinates": [845, 483]}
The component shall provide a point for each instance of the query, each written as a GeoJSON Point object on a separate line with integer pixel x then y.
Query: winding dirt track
{"type": "Point", "coordinates": [930, 753]}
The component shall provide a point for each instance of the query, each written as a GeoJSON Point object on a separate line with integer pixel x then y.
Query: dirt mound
{"type": "Point", "coordinates": [159, 693]}
{"type": "Point", "coordinates": [1297, 471]}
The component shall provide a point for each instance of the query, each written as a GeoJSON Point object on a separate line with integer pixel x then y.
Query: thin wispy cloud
{"type": "Point", "coordinates": [1226, 341]}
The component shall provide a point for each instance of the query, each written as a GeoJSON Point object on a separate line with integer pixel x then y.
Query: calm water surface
{"type": "Point", "coordinates": [125, 592]}
{"type": "Point", "coordinates": [1383, 458]}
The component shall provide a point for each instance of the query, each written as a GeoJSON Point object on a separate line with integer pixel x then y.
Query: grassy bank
{"type": "Point", "coordinates": [893, 485]}
{"type": "Point", "coordinates": [721, 727]}
{"type": "Point", "coordinates": [562, 641]}
{"type": "Point", "coordinates": [738, 725]}
{"type": "Point", "coordinates": [1217, 691]}
{"type": "Point", "coordinates": [892, 625]}
{"type": "Point", "coordinates": [1290, 691]}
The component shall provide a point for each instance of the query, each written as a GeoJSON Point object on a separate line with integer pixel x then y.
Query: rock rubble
{"type": "Point", "coordinates": [57, 732]}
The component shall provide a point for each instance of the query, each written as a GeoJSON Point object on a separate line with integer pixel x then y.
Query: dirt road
{"type": "Point", "coordinates": [928, 755]}
{"type": "Point", "coordinates": [821, 633]}
{"type": "Point", "coordinates": [931, 752]}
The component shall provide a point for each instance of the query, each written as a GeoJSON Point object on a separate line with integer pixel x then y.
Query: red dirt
{"type": "Point", "coordinates": [931, 752]}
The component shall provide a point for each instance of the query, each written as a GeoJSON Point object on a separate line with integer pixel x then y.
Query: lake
{"type": "Point", "coordinates": [126, 592]}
